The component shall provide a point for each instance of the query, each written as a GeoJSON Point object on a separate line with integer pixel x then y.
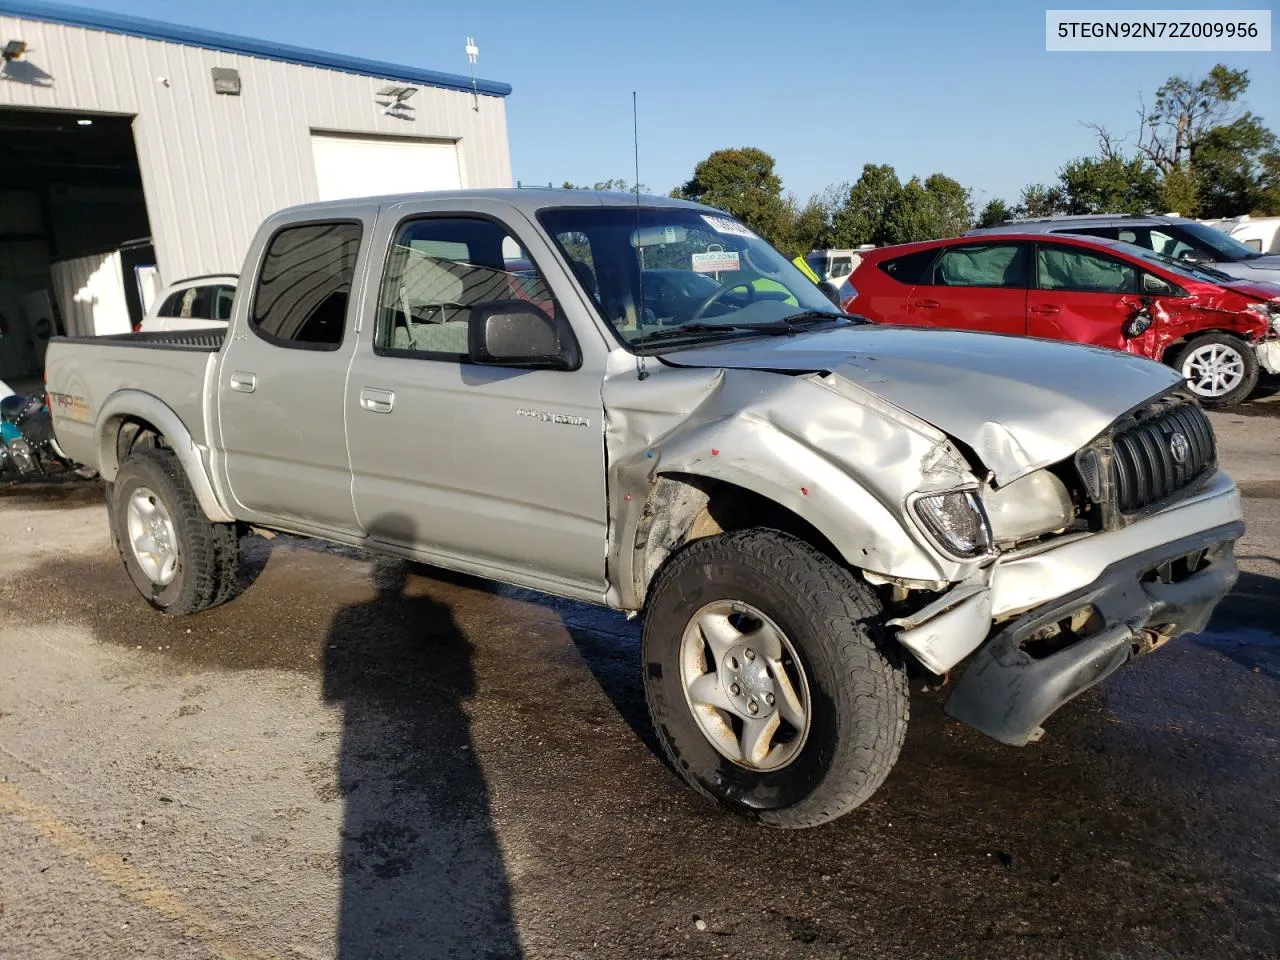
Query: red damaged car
{"type": "Point", "coordinates": [1216, 329]}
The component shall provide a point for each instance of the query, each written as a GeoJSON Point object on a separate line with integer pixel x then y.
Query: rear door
{"type": "Point", "coordinates": [1081, 295]}
{"type": "Point", "coordinates": [975, 286]}
{"type": "Point", "coordinates": [282, 380]}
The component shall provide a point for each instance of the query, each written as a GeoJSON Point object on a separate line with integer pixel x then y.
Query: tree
{"type": "Point", "coordinates": [1184, 113]}
{"type": "Point", "coordinates": [1211, 157]}
{"type": "Point", "coordinates": [805, 227]}
{"type": "Point", "coordinates": [1038, 200]}
{"type": "Point", "coordinates": [995, 213]}
{"type": "Point", "coordinates": [611, 186]}
{"type": "Point", "coordinates": [1230, 167]}
{"type": "Point", "coordinates": [1109, 185]}
{"type": "Point", "coordinates": [863, 217]}
{"type": "Point", "coordinates": [740, 181]}
{"type": "Point", "coordinates": [880, 209]}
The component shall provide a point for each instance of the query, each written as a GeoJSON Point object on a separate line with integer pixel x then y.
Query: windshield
{"type": "Point", "coordinates": [1194, 271]}
{"type": "Point", "coordinates": [675, 275]}
{"type": "Point", "coordinates": [1225, 246]}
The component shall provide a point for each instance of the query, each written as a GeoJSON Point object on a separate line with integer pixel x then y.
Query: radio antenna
{"type": "Point", "coordinates": [641, 373]}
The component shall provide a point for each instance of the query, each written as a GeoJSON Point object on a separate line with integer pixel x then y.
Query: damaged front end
{"type": "Point", "coordinates": [1147, 557]}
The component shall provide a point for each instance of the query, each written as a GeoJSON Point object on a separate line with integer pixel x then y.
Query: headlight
{"type": "Point", "coordinates": [956, 521]}
{"type": "Point", "coordinates": [1030, 506]}
{"type": "Point", "coordinates": [1269, 310]}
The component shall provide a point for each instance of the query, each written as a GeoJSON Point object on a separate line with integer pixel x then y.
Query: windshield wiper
{"type": "Point", "coordinates": [817, 316]}
{"type": "Point", "coordinates": [676, 332]}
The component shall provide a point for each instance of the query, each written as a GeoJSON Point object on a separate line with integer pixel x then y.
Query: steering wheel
{"type": "Point", "coordinates": [719, 292]}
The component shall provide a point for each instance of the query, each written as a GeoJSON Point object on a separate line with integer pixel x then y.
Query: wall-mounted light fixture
{"type": "Point", "coordinates": [227, 81]}
{"type": "Point", "coordinates": [394, 101]}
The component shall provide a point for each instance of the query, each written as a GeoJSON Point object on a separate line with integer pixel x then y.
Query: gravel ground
{"type": "Point", "coordinates": [357, 759]}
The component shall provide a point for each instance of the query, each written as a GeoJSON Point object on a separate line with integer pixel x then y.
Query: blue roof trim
{"type": "Point", "coordinates": [229, 43]}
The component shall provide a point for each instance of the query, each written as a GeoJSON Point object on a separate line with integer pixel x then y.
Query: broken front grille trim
{"type": "Point", "coordinates": [1130, 470]}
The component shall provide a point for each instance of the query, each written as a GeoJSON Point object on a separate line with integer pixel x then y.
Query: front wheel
{"type": "Point", "coordinates": [770, 684]}
{"type": "Point", "coordinates": [1220, 369]}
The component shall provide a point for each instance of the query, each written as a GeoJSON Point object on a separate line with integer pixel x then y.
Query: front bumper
{"type": "Point", "coordinates": [1019, 677]}
{"type": "Point", "coordinates": [1269, 355]}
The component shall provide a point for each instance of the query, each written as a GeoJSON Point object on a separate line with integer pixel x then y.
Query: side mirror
{"type": "Point", "coordinates": [516, 333]}
{"type": "Point", "coordinates": [831, 290]}
{"type": "Point", "coordinates": [1191, 256]}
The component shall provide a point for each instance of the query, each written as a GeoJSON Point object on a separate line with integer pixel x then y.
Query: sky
{"type": "Point", "coordinates": [962, 88]}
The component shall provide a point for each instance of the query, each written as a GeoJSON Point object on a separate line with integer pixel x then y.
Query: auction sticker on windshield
{"type": "Point", "coordinates": [726, 226]}
{"type": "Point", "coordinates": [715, 261]}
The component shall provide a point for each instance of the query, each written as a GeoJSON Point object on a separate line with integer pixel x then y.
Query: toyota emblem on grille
{"type": "Point", "coordinates": [1179, 447]}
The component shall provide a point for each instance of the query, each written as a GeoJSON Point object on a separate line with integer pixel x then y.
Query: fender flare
{"type": "Point", "coordinates": [137, 405]}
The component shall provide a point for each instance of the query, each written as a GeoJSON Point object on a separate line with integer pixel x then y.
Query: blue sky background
{"type": "Point", "coordinates": [966, 89]}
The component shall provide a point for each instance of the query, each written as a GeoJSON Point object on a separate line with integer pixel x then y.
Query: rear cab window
{"type": "Point", "coordinates": [300, 299]}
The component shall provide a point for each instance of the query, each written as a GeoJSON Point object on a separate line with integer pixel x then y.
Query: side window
{"type": "Point", "coordinates": [1159, 287]}
{"type": "Point", "coordinates": [911, 268]}
{"type": "Point", "coordinates": [1108, 233]}
{"type": "Point", "coordinates": [304, 284]}
{"type": "Point", "coordinates": [437, 270]}
{"type": "Point", "coordinates": [222, 299]}
{"type": "Point", "coordinates": [1070, 268]}
{"type": "Point", "coordinates": [1173, 247]}
{"type": "Point", "coordinates": [992, 265]}
{"type": "Point", "coordinates": [172, 306]}
{"type": "Point", "coordinates": [841, 267]}
{"type": "Point", "coordinates": [200, 306]}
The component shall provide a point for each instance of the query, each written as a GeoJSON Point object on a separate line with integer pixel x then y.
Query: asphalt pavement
{"type": "Point", "coordinates": [362, 759]}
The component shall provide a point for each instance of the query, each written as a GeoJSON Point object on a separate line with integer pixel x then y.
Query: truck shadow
{"type": "Point", "coordinates": [421, 871]}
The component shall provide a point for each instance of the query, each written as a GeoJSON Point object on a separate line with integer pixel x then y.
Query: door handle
{"type": "Point", "coordinates": [377, 401]}
{"type": "Point", "coordinates": [243, 382]}
{"type": "Point", "coordinates": [1045, 310]}
{"type": "Point", "coordinates": [926, 304]}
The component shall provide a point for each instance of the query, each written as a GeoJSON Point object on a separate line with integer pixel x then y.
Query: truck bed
{"type": "Point", "coordinates": [206, 341]}
{"type": "Point", "coordinates": [83, 374]}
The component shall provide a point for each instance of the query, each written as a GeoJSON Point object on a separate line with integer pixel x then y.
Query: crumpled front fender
{"type": "Point", "coordinates": [843, 467]}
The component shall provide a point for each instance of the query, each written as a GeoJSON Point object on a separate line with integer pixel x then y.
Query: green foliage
{"type": "Point", "coordinates": [1109, 185]}
{"type": "Point", "coordinates": [740, 181]}
{"type": "Point", "coordinates": [995, 213]}
{"type": "Point", "coordinates": [608, 186]}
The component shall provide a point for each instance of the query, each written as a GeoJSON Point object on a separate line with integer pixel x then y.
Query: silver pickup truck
{"type": "Point", "coordinates": [639, 403]}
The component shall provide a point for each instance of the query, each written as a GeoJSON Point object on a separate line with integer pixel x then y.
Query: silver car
{"type": "Point", "coordinates": [1175, 237]}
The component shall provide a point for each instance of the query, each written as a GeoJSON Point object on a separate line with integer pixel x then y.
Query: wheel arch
{"type": "Point", "coordinates": [684, 507]}
{"type": "Point", "coordinates": [130, 415]}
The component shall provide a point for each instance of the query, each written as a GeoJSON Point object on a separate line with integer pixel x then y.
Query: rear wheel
{"type": "Point", "coordinates": [179, 560]}
{"type": "Point", "coordinates": [770, 685]}
{"type": "Point", "coordinates": [1220, 369]}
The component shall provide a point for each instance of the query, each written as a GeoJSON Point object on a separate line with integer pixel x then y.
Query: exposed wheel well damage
{"type": "Point", "coordinates": [683, 508]}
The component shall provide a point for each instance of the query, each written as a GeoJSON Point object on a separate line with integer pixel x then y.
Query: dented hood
{"type": "Point", "coordinates": [1019, 403]}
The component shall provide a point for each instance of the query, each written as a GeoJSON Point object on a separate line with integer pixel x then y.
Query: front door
{"type": "Point", "coordinates": [977, 286]}
{"type": "Point", "coordinates": [1082, 295]}
{"type": "Point", "coordinates": [497, 468]}
{"type": "Point", "coordinates": [282, 380]}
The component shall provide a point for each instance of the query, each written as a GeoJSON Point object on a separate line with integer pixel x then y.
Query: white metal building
{"type": "Point", "coordinates": [126, 143]}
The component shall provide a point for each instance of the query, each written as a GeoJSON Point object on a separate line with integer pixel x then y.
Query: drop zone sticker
{"type": "Point", "coordinates": [715, 261]}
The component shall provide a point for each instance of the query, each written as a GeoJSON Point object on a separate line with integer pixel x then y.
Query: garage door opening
{"type": "Point", "coordinates": [73, 228]}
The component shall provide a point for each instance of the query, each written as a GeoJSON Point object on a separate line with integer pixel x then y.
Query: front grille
{"type": "Point", "coordinates": [1151, 463]}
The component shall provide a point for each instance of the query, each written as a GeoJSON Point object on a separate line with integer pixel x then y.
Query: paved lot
{"type": "Point", "coordinates": [359, 760]}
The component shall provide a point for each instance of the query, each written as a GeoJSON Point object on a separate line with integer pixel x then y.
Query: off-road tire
{"type": "Point", "coordinates": [858, 685]}
{"type": "Point", "coordinates": [208, 552]}
{"type": "Point", "coordinates": [1247, 385]}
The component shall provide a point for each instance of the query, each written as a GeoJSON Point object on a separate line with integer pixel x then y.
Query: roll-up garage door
{"type": "Point", "coordinates": [367, 166]}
